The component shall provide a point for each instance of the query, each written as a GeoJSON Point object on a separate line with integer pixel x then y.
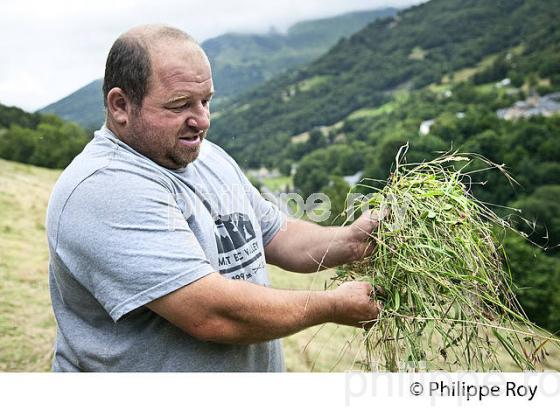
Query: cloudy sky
{"type": "Point", "coordinates": [50, 48]}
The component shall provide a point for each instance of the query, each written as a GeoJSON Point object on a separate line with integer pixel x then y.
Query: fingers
{"type": "Point", "coordinates": [358, 304]}
{"type": "Point", "coordinates": [368, 324]}
{"type": "Point", "coordinates": [377, 290]}
{"type": "Point", "coordinates": [375, 306]}
{"type": "Point", "coordinates": [379, 215]}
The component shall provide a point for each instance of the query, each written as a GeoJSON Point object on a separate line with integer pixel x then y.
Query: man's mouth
{"type": "Point", "coordinates": [191, 141]}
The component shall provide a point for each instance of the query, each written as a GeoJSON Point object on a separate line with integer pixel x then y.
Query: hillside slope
{"type": "Point", "coordinates": [243, 61]}
{"type": "Point", "coordinates": [419, 46]}
{"type": "Point", "coordinates": [84, 106]}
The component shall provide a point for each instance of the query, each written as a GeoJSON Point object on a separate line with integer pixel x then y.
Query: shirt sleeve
{"type": "Point", "coordinates": [125, 240]}
{"type": "Point", "coordinates": [271, 219]}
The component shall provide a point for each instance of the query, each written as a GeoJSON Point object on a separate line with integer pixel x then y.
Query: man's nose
{"type": "Point", "coordinates": [200, 118]}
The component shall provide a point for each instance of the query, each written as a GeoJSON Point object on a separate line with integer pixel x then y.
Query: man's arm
{"type": "Point", "coordinates": [307, 247]}
{"type": "Point", "coordinates": [221, 310]}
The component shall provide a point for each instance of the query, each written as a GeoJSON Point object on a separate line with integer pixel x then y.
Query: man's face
{"type": "Point", "coordinates": [175, 113]}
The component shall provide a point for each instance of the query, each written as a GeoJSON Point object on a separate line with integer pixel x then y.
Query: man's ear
{"type": "Point", "coordinates": [118, 106]}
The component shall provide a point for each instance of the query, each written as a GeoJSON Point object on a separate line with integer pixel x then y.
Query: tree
{"type": "Point", "coordinates": [53, 144]}
{"type": "Point", "coordinates": [542, 207]}
{"type": "Point", "coordinates": [337, 190]}
{"type": "Point", "coordinates": [536, 279]}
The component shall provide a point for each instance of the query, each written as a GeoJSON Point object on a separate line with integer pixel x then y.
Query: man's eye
{"type": "Point", "coordinates": [180, 108]}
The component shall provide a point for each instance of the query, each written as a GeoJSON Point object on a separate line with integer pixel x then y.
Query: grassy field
{"type": "Point", "coordinates": [278, 184]}
{"type": "Point", "coordinates": [27, 326]}
{"type": "Point", "coordinates": [399, 97]}
{"type": "Point", "coordinates": [322, 348]}
{"type": "Point", "coordinates": [26, 321]}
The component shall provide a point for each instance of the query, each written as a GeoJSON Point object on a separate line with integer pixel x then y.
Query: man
{"type": "Point", "coordinates": [158, 241]}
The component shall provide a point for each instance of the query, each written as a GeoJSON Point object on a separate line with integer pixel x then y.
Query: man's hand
{"type": "Point", "coordinates": [361, 234]}
{"type": "Point", "coordinates": [354, 305]}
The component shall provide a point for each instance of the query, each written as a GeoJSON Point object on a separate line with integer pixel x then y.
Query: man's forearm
{"type": "Point", "coordinates": [250, 313]}
{"type": "Point", "coordinates": [222, 310]}
{"type": "Point", "coordinates": [307, 247]}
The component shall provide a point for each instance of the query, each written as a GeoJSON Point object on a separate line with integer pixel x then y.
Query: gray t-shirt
{"type": "Point", "coordinates": [124, 231]}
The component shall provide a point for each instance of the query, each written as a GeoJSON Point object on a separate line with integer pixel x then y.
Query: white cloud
{"type": "Point", "coordinates": [51, 48]}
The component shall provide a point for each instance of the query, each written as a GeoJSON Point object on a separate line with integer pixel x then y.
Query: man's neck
{"type": "Point", "coordinates": [113, 128]}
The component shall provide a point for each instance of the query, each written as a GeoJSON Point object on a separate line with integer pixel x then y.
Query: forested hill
{"type": "Point", "coordinates": [416, 48]}
{"type": "Point", "coordinates": [39, 139]}
{"type": "Point", "coordinates": [239, 61]}
{"type": "Point", "coordinates": [242, 61]}
{"type": "Point", "coordinates": [84, 106]}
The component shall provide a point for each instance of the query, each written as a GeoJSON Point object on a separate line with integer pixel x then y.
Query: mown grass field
{"type": "Point", "coordinates": [26, 321]}
{"type": "Point", "coordinates": [27, 327]}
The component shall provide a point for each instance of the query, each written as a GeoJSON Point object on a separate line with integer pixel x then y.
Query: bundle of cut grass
{"type": "Point", "coordinates": [447, 295]}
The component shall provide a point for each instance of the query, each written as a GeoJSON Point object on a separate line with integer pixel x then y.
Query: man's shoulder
{"type": "Point", "coordinates": [213, 152]}
{"type": "Point", "coordinates": [103, 170]}
{"type": "Point", "coordinates": [107, 157]}
{"type": "Point", "coordinates": [84, 165]}
{"type": "Point", "coordinates": [213, 149]}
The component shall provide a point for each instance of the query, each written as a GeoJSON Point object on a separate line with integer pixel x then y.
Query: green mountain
{"type": "Point", "coordinates": [84, 106]}
{"type": "Point", "coordinates": [242, 61]}
{"type": "Point", "coordinates": [419, 46]}
{"type": "Point", "coordinates": [239, 61]}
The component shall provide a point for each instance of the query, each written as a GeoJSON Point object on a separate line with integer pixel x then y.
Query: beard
{"type": "Point", "coordinates": [164, 148]}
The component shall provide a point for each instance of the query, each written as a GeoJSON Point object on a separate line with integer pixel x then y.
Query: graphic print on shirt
{"type": "Point", "coordinates": [239, 254]}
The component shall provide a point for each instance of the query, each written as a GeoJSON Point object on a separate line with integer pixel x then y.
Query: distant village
{"type": "Point", "coordinates": [533, 106]}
